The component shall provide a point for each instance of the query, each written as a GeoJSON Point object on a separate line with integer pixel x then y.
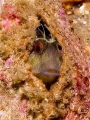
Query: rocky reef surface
{"type": "Point", "coordinates": [22, 95]}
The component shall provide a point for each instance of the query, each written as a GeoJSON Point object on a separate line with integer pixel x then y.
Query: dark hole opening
{"type": "Point", "coordinates": [24, 97]}
{"type": "Point", "coordinates": [48, 85]}
{"type": "Point", "coordinates": [16, 86]}
{"type": "Point", "coordinates": [38, 48]}
{"type": "Point", "coordinates": [41, 30]}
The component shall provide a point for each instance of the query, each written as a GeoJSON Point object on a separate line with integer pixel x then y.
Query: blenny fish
{"type": "Point", "coordinates": [46, 56]}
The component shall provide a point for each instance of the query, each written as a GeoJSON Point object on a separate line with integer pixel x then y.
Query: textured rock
{"type": "Point", "coordinates": [25, 97]}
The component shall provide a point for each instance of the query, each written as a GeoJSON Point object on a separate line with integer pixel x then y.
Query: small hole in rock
{"type": "Point", "coordinates": [45, 57]}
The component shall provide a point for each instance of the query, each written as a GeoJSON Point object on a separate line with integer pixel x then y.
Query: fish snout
{"type": "Point", "coordinates": [48, 76]}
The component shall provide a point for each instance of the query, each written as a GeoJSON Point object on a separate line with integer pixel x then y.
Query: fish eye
{"type": "Point", "coordinates": [59, 47]}
{"type": "Point", "coordinates": [38, 47]}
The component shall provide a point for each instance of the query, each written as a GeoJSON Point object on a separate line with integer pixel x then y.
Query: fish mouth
{"type": "Point", "coordinates": [48, 76]}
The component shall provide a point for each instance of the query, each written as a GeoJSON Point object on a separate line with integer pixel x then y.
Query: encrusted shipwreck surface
{"type": "Point", "coordinates": [22, 95]}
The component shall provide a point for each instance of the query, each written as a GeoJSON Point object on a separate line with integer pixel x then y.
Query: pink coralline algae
{"type": "Point", "coordinates": [81, 65]}
{"type": "Point", "coordinates": [9, 61]}
{"type": "Point", "coordinates": [12, 107]}
{"type": "Point", "coordinates": [9, 16]}
{"type": "Point", "coordinates": [75, 47]}
{"type": "Point", "coordinates": [2, 77]}
{"type": "Point", "coordinates": [4, 66]}
{"type": "Point", "coordinates": [23, 108]}
{"type": "Point", "coordinates": [73, 116]}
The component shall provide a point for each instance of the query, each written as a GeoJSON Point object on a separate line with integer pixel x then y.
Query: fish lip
{"type": "Point", "coordinates": [51, 73]}
{"type": "Point", "coordinates": [48, 76]}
